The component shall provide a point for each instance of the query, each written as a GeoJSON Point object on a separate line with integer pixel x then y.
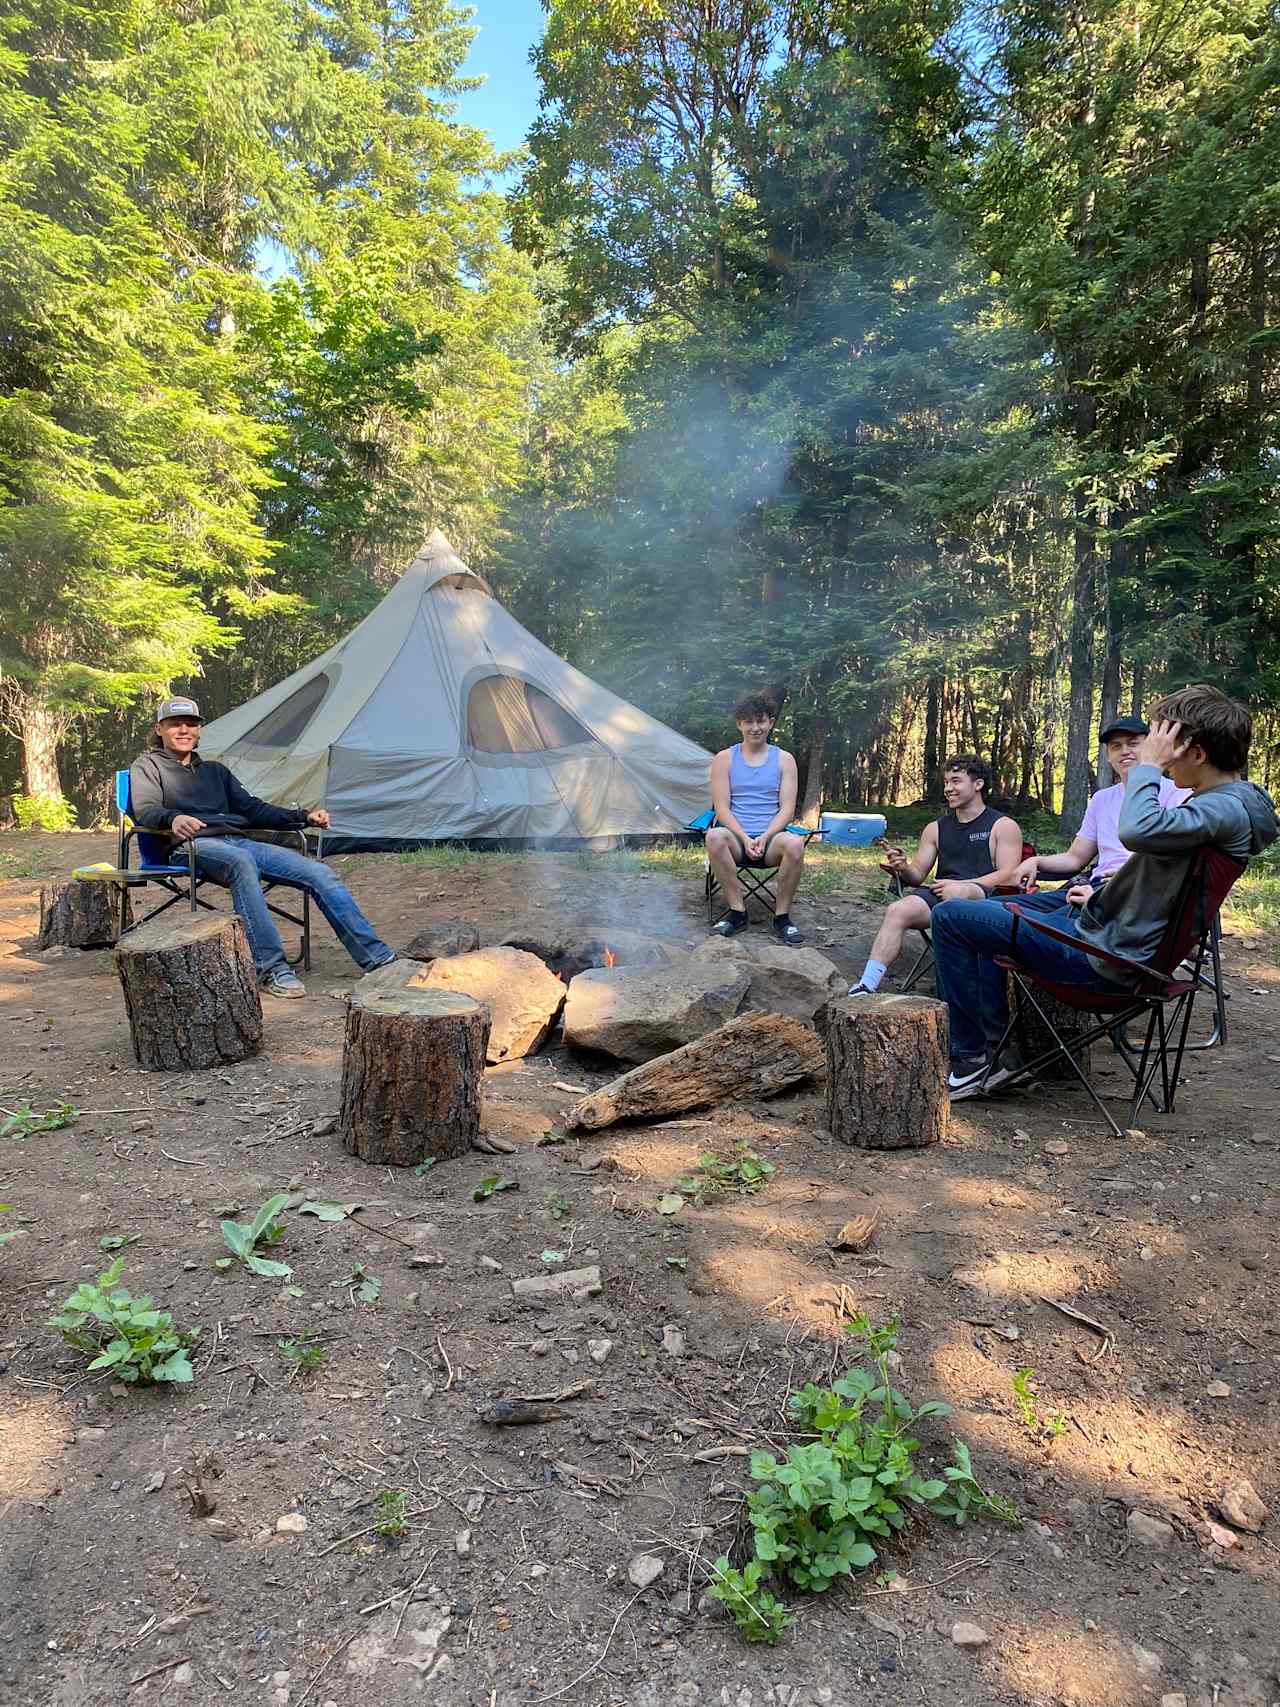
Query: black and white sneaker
{"type": "Point", "coordinates": [730, 925]}
{"type": "Point", "coordinates": [968, 1079]}
{"type": "Point", "coordinates": [281, 982]}
{"type": "Point", "coordinates": [859, 990]}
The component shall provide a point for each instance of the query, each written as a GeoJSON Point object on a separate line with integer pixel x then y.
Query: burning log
{"type": "Point", "coordinates": [757, 1055]}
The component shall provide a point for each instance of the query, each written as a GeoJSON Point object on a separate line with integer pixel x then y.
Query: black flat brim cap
{"type": "Point", "coordinates": [1123, 726]}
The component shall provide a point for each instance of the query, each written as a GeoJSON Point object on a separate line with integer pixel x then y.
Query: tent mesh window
{"type": "Point", "coordinates": [282, 726]}
{"type": "Point", "coordinates": [506, 715]}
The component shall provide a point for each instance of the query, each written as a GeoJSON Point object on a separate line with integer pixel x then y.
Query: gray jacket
{"type": "Point", "coordinates": [1130, 912]}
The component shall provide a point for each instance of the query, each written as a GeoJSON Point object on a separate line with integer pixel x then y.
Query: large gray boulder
{"type": "Point", "coordinates": [636, 1014]}
{"type": "Point", "coordinates": [796, 981]}
{"type": "Point", "coordinates": [521, 994]}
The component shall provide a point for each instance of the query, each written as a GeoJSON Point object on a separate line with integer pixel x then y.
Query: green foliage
{"type": "Point", "coordinates": [449, 856]}
{"type": "Point", "coordinates": [5, 1237]}
{"type": "Point", "coordinates": [827, 1509]}
{"type": "Point", "coordinates": [43, 812]}
{"type": "Point", "coordinates": [491, 1184]}
{"type": "Point", "coordinates": [1032, 1419]}
{"type": "Point", "coordinates": [130, 1337]}
{"type": "Point", "coordinates": [390, 1513]}
{"type": "Point", "coordinates": [745, 1171]}
{"type": "Point", "coordinates": [362, 1285]}
{"type": "Point", "coordinates": [306, 1355]}
{"type": "Point", "coordinates": [22, 1121]}
{"type": "Point", "coordinates": [242, 1239]}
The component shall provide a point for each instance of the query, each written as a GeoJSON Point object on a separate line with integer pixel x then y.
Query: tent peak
{"type": "Point", "coordinates": [439, 563]}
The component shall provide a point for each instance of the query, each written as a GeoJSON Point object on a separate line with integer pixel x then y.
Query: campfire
{"type": "Point", "coordinates": [610, 958]}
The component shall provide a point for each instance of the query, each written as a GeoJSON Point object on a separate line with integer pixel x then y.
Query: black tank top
{"type": "Point", "coordinates": [964, 850]}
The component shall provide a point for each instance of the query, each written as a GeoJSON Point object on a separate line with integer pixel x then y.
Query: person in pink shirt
{"type": "Point", "coordinates": [1098, 839]}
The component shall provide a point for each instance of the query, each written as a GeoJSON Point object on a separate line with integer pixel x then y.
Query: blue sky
{"type": "Point", "coordinates": [507, 103]}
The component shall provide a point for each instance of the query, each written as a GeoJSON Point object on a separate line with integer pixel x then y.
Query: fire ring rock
{"type": "Point", "coordinates": [634, 1015]}
{"type": "Point", "coordinates": [521, 995]}
{"type": "Point", "coordinates": [796, 981]}
{"type": "Point", "coordinates": [450, 936]}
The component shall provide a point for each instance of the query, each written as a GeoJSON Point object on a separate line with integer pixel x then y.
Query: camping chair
{"type": "Point", "coordinates": [757, 880]}
{"type": "Point", "coordinates": [925, 962]}
{"type": "Point", "coordinates": [1158, 992]}
{"type": "Point", "coordinates": [172, 865]}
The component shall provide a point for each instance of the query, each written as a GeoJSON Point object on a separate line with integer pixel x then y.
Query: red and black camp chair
{"type": "Point", "coordinates": [1162, 991]}
{"type": "Point", "coordinates": [925, 961]}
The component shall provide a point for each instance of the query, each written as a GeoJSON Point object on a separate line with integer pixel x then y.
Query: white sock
{"type": "Point", "coordinates": [872, 973]}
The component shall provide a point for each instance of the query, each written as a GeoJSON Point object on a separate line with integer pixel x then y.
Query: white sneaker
{"type": "Point", "coordinates": [859, 990]}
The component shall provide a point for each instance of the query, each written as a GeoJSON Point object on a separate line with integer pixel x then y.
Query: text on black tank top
{"type": "Point", "coordinates": [964, 850]}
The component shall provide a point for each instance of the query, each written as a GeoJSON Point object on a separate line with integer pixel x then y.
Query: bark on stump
{"type": "Point", "coordinates": [757, 1055]}
{"type": "Point", "coordinates": [1033, 1037]}
{"type": "Point", "coordinates": [887, 1071]}
{"type": "Point", "coordinates": [412, 1067]}
{"type": "Point", "coordinates": [77, 914]}
{"type": "Point", "coordinates": [191, 992]}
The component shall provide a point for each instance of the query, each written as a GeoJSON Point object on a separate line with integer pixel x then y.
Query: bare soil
{"type": "Point", "coordinates": [114, 1590]}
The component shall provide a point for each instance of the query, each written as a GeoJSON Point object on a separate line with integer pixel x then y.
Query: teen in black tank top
{"type": "Point", "coordinates": [964, 850]}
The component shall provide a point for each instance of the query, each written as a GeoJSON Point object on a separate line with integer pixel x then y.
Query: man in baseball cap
{"type": "Point", "coordinates": [175, 791]}
{"type": "Point", "coordinates": [1098, 838]}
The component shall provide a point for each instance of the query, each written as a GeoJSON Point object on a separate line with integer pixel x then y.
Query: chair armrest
{"type": "Point", "coordinates": [1135, 968]}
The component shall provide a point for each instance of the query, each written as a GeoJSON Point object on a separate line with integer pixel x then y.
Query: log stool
{"type": "Point", "coordinates": [77, 914]}
{"type": "Point", "coordinates": [887, 1064]}
{"type": "Point", "coordinates": [412, 1066]}
{"type": "Point", "coordinates": [1033, 1036]}
{"type": "Point", "coordinates": [191, 992]}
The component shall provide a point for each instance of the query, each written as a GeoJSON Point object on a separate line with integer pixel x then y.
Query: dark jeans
{"type": "Point", "coordinates": [238, 864]}
{"type": "Point", "coordinates": [967, 935]}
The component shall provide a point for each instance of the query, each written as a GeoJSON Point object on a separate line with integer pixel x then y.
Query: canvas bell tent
{"type": "Point", "coordinates": [441, 719]}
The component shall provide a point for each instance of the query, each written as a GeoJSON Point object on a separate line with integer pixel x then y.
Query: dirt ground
{"type": "Point", "coordinates": [520, 1539]}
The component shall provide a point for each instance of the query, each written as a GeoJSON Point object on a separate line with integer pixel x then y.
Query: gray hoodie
{"type": "Point", "coordinates": [1128, 915]}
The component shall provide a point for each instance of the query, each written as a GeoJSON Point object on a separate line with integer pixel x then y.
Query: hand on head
{"type": "Point", "coordinates": [1162, 745]}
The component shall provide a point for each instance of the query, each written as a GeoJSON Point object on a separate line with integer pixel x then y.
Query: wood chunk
{"type": "Point", "coordinates": [78, 914]}
{"type": "Point", "coordinates": [412, 1066]}
{"type": "Point", "coordinates": [887, 1071]}
{"type": "Point", "coordinates": [756, 1055]}
{"type": "Point", "coordinates": [191, 992]}
{"type": "Point", "coordinates": [857, 1234]}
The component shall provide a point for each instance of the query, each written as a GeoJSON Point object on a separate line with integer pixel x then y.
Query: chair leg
{"type": "Point", "coordinates": [1066, 1054]}
{"type": "Point", "coordinates": [922, 964]}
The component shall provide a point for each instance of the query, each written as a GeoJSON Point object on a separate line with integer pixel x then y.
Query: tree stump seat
{"type": "Point", "coordinates": [77, 914]}
{"type": "Point", "coordinates": [412, 1065]}
{"type": "Point", "coordinates": [887, 1065]}
{"type": "Point", "coordinates": [191, 992]}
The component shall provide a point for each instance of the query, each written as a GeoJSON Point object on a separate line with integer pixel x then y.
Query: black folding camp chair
{"type": "Point", "coordinates": [757, 880]}
{"type": "Point", "coordinates": [1163, 992]}
{"type": "Point", "coordinates": [171, 865]}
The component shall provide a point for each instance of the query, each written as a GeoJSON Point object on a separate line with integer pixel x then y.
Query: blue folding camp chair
{"type": "Point", "coordinates": [757, 880]}
{"type": "Point", "coordinates": [172, 865]}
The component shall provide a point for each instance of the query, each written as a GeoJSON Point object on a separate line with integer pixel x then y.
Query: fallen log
{"type": "Point", "coordinates": [191, 992]}
{"type": "Point", "coordinates": [756, 1055]}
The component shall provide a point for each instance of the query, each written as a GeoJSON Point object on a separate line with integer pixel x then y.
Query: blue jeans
{"type": "Point", "coordinates": [238, 864]}
{"type": "Point", "coordinates": [967, 935]}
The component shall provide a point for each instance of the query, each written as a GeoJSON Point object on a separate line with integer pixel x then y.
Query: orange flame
{"type": "Point", "coordinates": [610, 958]}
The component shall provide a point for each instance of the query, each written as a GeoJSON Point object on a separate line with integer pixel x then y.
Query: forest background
{"type": "Point", "coordinates": [917, 358]}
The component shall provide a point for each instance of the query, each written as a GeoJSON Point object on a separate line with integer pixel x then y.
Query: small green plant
{"type": "Point", "coordinates": [389, 1512]}
{"type": "Point", "coordinates": [423, 1165]}
{"type": "Point", "coordinates": [22, 1121]}
{"type": "Point", "coordinates": [43, 812]}
{"type": "Point", "coordinates": [1029, 1415]}
{"type": "Point", "coordinates": [559, 1206]}
{"type": "Point", "coordinates": [361, 1284]}
{"type": "Point", "coordinates": [491, 1184]}
{"type": "Point", "coordinates": [745, 1171]}
{"type": "Point", "coordinates": [242, 1241]}
{"type": "Point", "coordinates": [134, 1340]}
{"type": "Point", "coordinates": [305, 1355]}
{"type": "Point", "coordinates": [5, 1237]}
{"type": "Point", "coordinates": [827, 1509]}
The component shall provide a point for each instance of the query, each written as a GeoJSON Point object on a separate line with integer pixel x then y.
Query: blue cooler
{"type": "Point", "coordinates": [851, 829]}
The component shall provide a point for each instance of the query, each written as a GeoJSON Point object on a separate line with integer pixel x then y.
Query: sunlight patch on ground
{"type": "Point", "coordinates": [1055, 1660]}
{"type": "Point", "coordinates": [33, 1436]}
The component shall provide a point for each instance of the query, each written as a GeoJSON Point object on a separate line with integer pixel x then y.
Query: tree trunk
{"type": "Point", "coordinates": [1075, 788]}
{"type": "Point", "coordinates": [811, 804]}
{"type": "Point", "coordinates": [412, 1067]}
{"type": "Point", "coordinates": [932, 739]}
{"type": "Point", "coordinates": [1117, 569]}
{"type": "Point", "coordinates": [191, 992]}
{"type": "Point", "coordinates": [756, 1055]}
{"type": "Point", "coordinates": [42, 729]}
{"type": "Point", "coordinates": [887, 1071]}
{"type": "Point", "coordinates": [79, 914]}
